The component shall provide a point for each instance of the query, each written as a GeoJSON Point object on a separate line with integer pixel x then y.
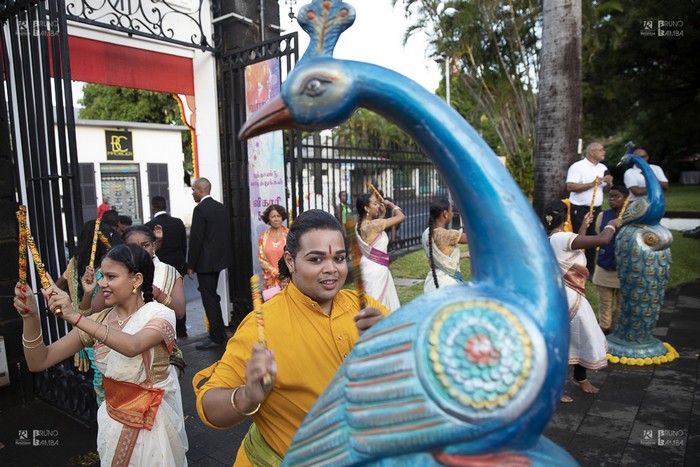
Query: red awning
{"type": "Point", "coordinates": [116, 65]}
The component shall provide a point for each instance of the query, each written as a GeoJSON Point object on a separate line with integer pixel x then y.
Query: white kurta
{"type": "Point", "coordinates": [588, 346]}
{"type": "Point", "coordinates": [166, 443]}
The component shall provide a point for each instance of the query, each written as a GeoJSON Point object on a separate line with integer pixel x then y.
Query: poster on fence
{"type": "Point", "coordinates": [265, 152]}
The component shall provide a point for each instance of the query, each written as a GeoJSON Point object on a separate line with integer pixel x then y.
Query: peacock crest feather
{"type": "Point", "coordinates": [324, 21]}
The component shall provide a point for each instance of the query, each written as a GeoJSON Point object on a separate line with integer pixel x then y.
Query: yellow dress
{"type": "Point", "coordinates": [309, 347]}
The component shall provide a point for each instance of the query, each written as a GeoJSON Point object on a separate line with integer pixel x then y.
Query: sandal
{"type": "Point", "coordinates": [585, 386]}
{"type": "Point", "coordinates": [565, 399]}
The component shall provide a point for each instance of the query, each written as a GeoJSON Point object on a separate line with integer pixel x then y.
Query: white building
{"type": "Point", "coordinates": [130, 162]}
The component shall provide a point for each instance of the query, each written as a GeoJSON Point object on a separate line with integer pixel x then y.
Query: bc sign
{"type": "Point", "coordinates": [119, 145]}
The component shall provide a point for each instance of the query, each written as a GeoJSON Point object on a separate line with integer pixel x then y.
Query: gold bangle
{"type": "Point", "coordinates": [168, 300]}
{"type": "Point", "coordinates": [38, 344]}
{"type": "Point", "coordinates": [103, 341]}
{"type": "Point", "coordinates": [233, 404]}
{"type": "Point", "coordinates": [24, 339]}
{"type": "Point", "coordinates": [84, 311]}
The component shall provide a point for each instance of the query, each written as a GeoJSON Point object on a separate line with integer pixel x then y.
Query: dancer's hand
{"type": "Point", "coordinates": [367, 318]}
{"type": "Point", "coordinates": [89, 281]}
{"type": "Point", "coordinates": [262, 362]}
{"type": "Point", "coordinates": [617, 223]}
{"type": "Point", "coordinates": [24, 302]}
{"type": "Point", "coordinates": [59, 299]}
{"type": "Point", "coordinates": [587, 219]}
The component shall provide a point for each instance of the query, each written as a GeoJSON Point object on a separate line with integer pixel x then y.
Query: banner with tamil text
{"type": "Point", "coordinates": [265, 152]}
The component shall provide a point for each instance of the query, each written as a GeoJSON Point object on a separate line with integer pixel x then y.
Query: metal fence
{"type": "Point", "coordinates": [405, 176]}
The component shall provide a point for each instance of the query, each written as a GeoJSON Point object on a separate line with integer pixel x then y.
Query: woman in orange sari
{"type": "Point", "coordinates": [141, 421]}
{"type": "Point", "coordinates": [271, 245]}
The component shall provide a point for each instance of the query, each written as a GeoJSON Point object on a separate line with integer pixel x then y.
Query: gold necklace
{"type": "Point", "coordinates": [122, 322]}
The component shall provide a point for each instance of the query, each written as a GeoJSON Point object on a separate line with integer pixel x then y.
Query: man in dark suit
{"type": "Point", "coordinates": [172, 248]}
{"type": "Point", "coordinates": [209, 254]}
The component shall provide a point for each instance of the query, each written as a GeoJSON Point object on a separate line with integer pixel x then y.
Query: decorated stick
{"type": "Point", "coordinates": [41, 269]}
{"type": "Point", "coordinates": [624, 207]}
{"type": "Point", "coordinates": [104, 240]}
{"type": "Point", "coordinates": [356, 254]}
{"type": "Point", "coordinates": [260, 322]}
{"type": "Point", "coordinates": [94, 242]}
{"type": "Point", "coordinates": [376, 193]}
{"type": "Point", "coordinates": [595, 188]}
{"type": "Point", "coordinates": [22, 240]}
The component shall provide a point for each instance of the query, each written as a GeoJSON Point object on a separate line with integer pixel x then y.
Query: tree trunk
{"type": "Point", "coordinates": [559, 108]}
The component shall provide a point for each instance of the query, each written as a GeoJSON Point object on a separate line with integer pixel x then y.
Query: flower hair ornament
{"type": "Point", "coordinates": [549, 219]}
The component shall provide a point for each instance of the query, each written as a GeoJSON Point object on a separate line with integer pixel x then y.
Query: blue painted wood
{"type": "Point", "coordinates": [643, 257]}
{"type": "Point", "coordinates": [471, 370]}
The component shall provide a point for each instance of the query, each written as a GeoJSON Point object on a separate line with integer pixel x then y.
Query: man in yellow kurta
{"type": "Point", "coordinates": [309, 338]}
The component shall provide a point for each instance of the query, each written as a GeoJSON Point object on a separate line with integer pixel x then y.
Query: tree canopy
{"type": "Point", "coordinates": [638, 84]}
{"type": "Point", "coordinates": [101, 102]}
{"type": "Point", "coordinates": [492, 46]}
{"type": "Point", "coordinates": [642, 78]}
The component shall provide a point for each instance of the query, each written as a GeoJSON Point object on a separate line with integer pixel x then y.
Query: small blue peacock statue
{"type": "Point", "coordinates": [643, 256]}
{"type": "Point", "coordinates": [466, 375]}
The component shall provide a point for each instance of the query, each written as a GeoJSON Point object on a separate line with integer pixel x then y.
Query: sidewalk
{"type": "Point", "coordinates": [646, 415]}
{"type": "Point", "coordinates": [642, 415]}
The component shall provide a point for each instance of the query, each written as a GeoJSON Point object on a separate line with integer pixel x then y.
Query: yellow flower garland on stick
{"type": "Point", "coordinates": [670, 356]}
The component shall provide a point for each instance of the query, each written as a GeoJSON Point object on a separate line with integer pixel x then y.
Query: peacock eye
{"type": "Point", "coordinates": [314, 87]}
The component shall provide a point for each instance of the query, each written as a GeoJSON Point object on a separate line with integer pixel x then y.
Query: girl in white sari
{"type": "Point", "coordinates": [374, 244]}
{"type": "Point", "coordinates": [587, 346]}
{"type": "Point", "coordinates": [141, 422]}
{"type": "Point", "coordinates": [168, 284]}
{"type": "Point", "coordinates": [441, 247]}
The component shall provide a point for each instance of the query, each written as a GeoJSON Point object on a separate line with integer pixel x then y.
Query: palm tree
{"type": "Point", "coordinates": [559, 108]}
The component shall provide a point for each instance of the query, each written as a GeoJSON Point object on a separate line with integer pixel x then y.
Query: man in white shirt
{"type": "Point", "coordinates": [634, 179]}
{"type": "Point", "coordinates": [580, 182]}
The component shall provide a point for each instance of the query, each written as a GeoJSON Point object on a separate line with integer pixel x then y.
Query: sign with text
{"type": "Point", "coordinates": [265, 152]}
{"type": "Point", "coordinates": [120, 146]}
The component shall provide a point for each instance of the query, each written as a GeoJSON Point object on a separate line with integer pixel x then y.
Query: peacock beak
{"type": "Point", "coordinates": [272, 116]}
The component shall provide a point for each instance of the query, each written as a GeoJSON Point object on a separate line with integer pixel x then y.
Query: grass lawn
{"type": "Point", "coordinates": [683, 198]}
{"type": "Point", "coordinates": [679, 198]}
{"type": "Point", "coordinates": [685, 253]}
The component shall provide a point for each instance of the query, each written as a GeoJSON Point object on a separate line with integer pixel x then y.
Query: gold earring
{"type": "Point", "coordinates": [133, 291]}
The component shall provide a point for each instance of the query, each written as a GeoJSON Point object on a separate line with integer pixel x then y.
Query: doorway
{"type": "Point", "coordinates": [121, 183]}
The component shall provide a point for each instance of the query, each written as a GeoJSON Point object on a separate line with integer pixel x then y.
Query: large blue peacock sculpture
{"type": "Point", "coordinates": [643, 257]}
{"type": "Point", "coordinates": [464, 375]}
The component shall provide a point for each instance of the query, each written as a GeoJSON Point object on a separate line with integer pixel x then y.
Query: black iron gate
{"type": "Point", "coordinates": [405, 176]}
{"type": "Point", "coordinates": [235, 156]}
{"type": "Point", "coordinates": [38, 161]}
{"type": "Point", "coordinates": [316, 169]}
{"type": "Point", "coordinates": [40, 137]}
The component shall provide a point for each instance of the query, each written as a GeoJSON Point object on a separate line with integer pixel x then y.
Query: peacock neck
{"type": "Point", "coordinates": [499, 220]}
{"type": "Point", "coordinates": [655, 195]}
